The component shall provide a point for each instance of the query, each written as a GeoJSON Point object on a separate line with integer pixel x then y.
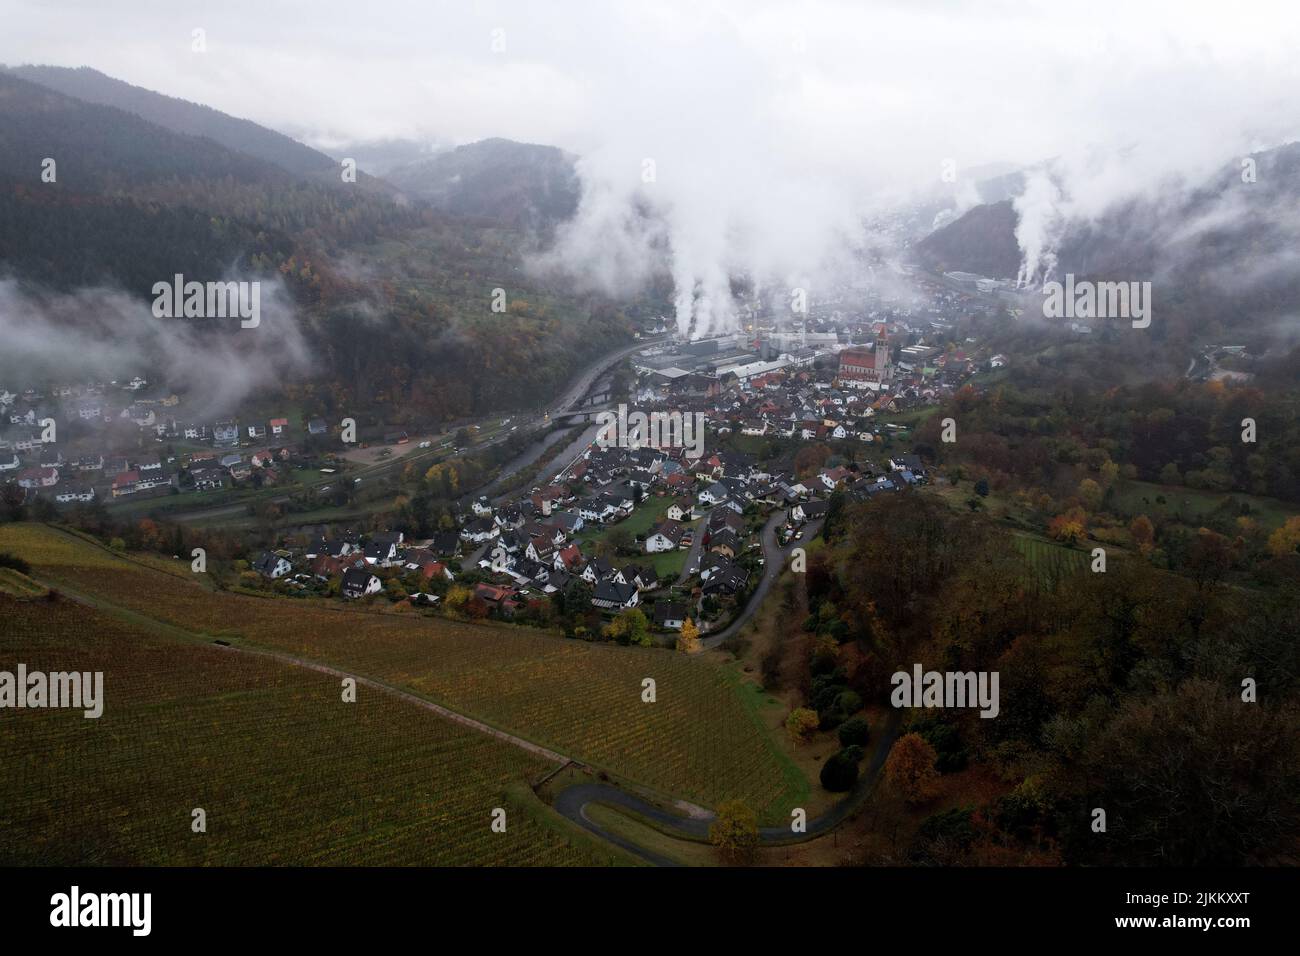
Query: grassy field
{"type": "Point", "coordinates": [667, 564]}
{"type": "Point", "coordinates": [286, 771]}
{"type": "Point", "coordinates": [1190, 505]}
{"type": "Point", "coordinates": [697, 741]}
{"type": "Point", "coordinates": [643, 517]}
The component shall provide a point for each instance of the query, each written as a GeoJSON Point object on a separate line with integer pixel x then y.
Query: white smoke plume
{"type": "Point", "coordinates": [773, 124]}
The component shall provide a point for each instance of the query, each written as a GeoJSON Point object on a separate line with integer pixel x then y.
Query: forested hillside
{"type": "Point", "coordinates": [394, 297]}
{"type": "Point", "coordinates": [180, 116]}
{"type": "Point", "coordinates": [518, 184]}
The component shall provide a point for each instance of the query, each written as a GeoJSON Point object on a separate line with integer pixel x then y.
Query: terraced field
{"type": "Point", "coordinates": [1051, 562]}
{"type": "Point", "coordinates": [286, 771]}
{"type": "Point", "coordinates": [18, 584]}
{"type": "Point", "coordinates": [696, 740]}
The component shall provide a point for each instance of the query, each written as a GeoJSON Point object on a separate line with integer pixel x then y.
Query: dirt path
{"type": "Point", "coordinates": [452, 715]}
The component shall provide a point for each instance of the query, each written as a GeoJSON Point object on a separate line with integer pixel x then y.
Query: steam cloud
{"type": "Point", "coordinates": [106, 334]}
{"type": "Point", "coordinates": [776, 126]}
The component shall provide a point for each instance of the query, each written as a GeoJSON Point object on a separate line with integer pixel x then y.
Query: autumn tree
{"type": "Point", "coordinates": [801, 723]}
{"type": "Point", "coordinates": [688, 641]}
{"type": "Point", "coordinates": [457, 597]}
{"type": "Point", "coordinates": [910, 768]}
{"type": "Point", "coordinates": [1286, 539]}
{"type": "Point", "coordinates": [810, 459]}
{"type": "Point", "coordinates": [1090, 493]}
{"type": "Point", "coordinates": [1143, 532]}
{"type": "Point", "coordinates": [1193, 777]}
{"type": "Point", "coordinates": [151, 538]}
{"type": "Point", "coordinates": [1109, 473]}
{"type": "Point", "coordinates": [630, 627]}
{"type": "Point", "coordinates": [1070, 526]}
{"type": "Point", "coordinates": [735, 831]}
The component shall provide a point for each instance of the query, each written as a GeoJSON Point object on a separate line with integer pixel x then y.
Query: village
{"type": "Point", "coordinates": [627, 525]}
{"type": "Point", "coordinates": [791, 418]}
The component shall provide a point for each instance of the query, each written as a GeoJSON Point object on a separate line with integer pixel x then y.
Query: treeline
{"type": "Point", "coordinates": [1040, 424]}
{"type": "Point", "coordinates": [58, 244]}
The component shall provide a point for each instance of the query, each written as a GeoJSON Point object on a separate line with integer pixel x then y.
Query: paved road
{"type": "Point", "coordinates": [573, 801]}
{"type": "Point", "coordinates": [571, 396]}
{"type": "Point", "coordinates": [774, 559]}
{"type": "Point", "coordinates": [696, 553]}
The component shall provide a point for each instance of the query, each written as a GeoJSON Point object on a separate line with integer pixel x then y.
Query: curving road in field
{"type": "Point", "coordinates": [573, 801]}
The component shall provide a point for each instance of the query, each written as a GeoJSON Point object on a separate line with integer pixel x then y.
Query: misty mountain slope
{"type": "Point", "coordinates": [981, 241]}
{"type": "Point", "coordinates": [104, 149]}
{"type": "Point", "coordinates": [379, 157]}
{"type": "Point", "coordinates": [122, 243]}
{"type": "Point", "coordinates": [180, 116]}
{"type": "Point", "coordinates": [181, 199]}
{"type": "Point", "coordinates": [1220, 256]}
{"type": "Point", "coordinates": [518, 184]}
{"type": "Point", "coordinates": [135, 203]}
{"type": "Point", "coordinates": [94, 225]}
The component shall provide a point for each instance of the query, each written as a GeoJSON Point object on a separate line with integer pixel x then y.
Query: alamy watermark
{"type": "Point", "coordinates": [37, 689]}
{"type": "Point", "coordinates": [1098, 300]}
{"type": "Point", "coordinates": [75, 908]}
{"type": "Point", "coordinates": [923, 688]}
{"type": "Point", "coordinates": [208, 300]}
{"type": "Point", "coordinates": [624, 429]}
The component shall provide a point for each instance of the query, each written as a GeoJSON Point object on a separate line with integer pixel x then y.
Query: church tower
{"type": "Point", "coordinates": [884, 365]}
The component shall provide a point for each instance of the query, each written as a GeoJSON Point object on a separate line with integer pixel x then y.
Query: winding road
{"type": "Point", "coordinates": [573, 801]}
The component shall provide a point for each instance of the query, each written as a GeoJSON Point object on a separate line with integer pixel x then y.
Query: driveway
{"type": "Point", "coordinates": [774, 559]}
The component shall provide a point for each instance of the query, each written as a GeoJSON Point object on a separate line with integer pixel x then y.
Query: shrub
{"type": "Point", "coordinates": [8, 560]}
{"type": "Point", "coordinates": [840, 772]}
{"type": "Point", "coordinates": [950, 754]}
{"type": "Point", "coordinates": [854, 731]}
{"type": "Point", "coordinates": [848, 703]}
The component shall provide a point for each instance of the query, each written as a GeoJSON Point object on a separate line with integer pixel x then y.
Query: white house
{"type": "Point", "coordinates": [272, 566]}
{"type": "Point", "coordinates": [358, 583]}
{"type": "Point", "coordinates": [614, 595]}
{"type": "Point", "coordinates": [69, 494]}
{"type": "Point", "coordinates": [715, 493]}
{"type": "Point", "coordinates": [480, 530]}
{"type": "Point", "coordinates": [681, 510]}
{"type": "Point", "coordinates": [666, 536]}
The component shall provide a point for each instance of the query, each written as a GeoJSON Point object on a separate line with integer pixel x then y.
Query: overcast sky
{"type": "Point", "coordinates": [974, 81]}
{"type": "Point", "coordinates": [814, 106]}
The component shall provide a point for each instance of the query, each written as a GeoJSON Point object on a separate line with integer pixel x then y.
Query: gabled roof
{"type": "Point", "coordinates": [356, 579]}
{"type": "Point", "coordinates": [669, 611]}
{"type": "Point", "coordinates": [614, 592]}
